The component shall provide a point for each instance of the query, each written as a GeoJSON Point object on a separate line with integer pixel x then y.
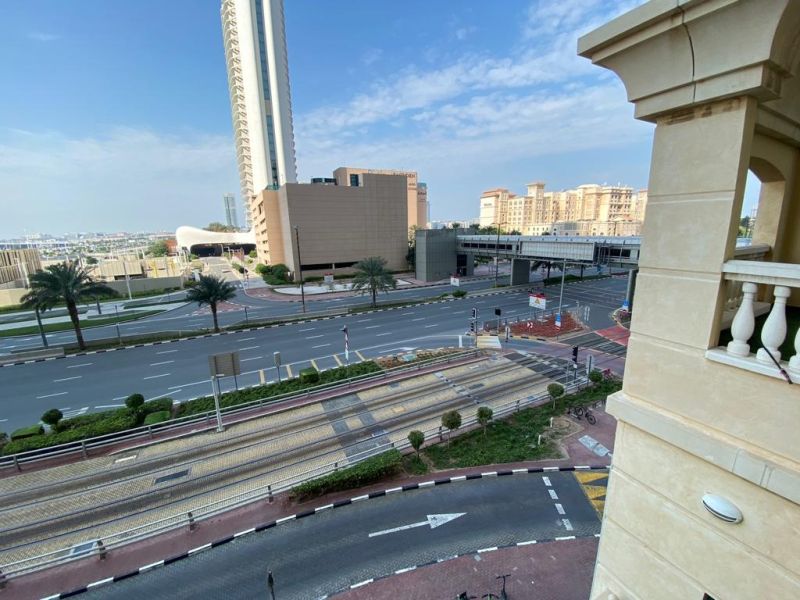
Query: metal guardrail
{"type": "Point", "coordinates": [147, 432]}
{"type": "Point", "coordinates": [100, 546]}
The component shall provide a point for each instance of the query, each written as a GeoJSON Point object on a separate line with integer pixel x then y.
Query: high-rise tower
{"type": "Point", "coordinates": [258, 80]}
{"type": "Point", "coordinates": [231, 219]}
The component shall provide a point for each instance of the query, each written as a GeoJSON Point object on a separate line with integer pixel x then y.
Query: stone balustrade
{"type": "Point", "coordinates": [760, 355]}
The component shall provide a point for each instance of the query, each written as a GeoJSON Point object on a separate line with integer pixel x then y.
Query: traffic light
{"type": "Point", "coordinates": [472, 326]}
{"type": "Point", "coordinates": [575, 354]}
{"type": "Point", "coordinates": [475, 312]}
{"type": "Point", "coordinates": [497, 312]}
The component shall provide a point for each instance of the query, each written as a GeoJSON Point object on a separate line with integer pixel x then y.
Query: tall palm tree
{"type": "Point", "coordinates": [372, 275]}
{"type": "Point", "coordinates": [211, 290]}
{"type": "Point", "coordinates": [65, 283]}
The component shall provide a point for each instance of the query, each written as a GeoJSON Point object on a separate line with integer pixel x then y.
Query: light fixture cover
{"type": "Point", "coordinates": [722, 508]}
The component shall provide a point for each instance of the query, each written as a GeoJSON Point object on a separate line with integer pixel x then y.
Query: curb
{"type": "Point", "coordinates": [339, 503]}
{"type": "Point", "coordinates": [246, 330]}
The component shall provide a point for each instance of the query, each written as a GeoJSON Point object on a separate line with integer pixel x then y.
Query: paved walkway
{"type": "Point", "coordinates": [570, 580]}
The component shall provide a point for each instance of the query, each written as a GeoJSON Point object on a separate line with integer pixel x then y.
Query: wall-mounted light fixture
{"type": "Point", "coordinates": [722, 508]}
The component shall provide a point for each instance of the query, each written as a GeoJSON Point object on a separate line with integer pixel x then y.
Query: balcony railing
{"type": "Point", "coordinates": [759, 355]}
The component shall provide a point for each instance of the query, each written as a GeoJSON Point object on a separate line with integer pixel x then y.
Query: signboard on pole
{"type": "Point", "coordinates": [327, 278]}
{"type": "Point", "coordinates": [537, 301]}
{"type": "Point", "coordinates": [455, 281]}
{"type": "Point", "coordinates": [558, 320]}
{"type": "Point", "coordinates": [224, 365]}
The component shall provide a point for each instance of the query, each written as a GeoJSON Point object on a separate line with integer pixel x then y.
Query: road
{"type": "Point", "coordinates": [332, 550]}
{"type": "Point", "coordinates": [81, 384]}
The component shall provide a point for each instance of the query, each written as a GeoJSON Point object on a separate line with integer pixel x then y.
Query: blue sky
{"type": "Point", "coordinates": [115, 115]}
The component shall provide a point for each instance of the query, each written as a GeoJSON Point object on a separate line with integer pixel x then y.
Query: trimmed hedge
{"type": "Point", "coordinates": [156, 417]}
{"type": "Point", "coordinates": [27, 432]}
{"type": "Point", "coordinates": [309, 375]}
{"type": "Point", "coordinates": [88, 426]}
{"type": "Point", "coordinates": [368, 471]}
{"type": "Point", "coordinates": [206, 404]}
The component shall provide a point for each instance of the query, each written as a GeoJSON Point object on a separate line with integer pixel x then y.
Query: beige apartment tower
{"type": "Point", "coordinates": [704, 494]}
{"type": "Point", "coordinates": [417, 195]}
{"type": "Point", "coordinates": [337, 225]}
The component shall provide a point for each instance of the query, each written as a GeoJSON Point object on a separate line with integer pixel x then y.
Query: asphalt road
{"type": "Point", "coordinates": [332, 550]}
{"type": "Point", "coordinates": [81, 384]}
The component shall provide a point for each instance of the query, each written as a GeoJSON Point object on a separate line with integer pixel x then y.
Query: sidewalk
{"type": "Point", "coordinates": [559, 570]}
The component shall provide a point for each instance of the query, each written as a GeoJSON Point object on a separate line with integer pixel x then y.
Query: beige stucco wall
{"type": "Point", "coordinates": [11, 297]}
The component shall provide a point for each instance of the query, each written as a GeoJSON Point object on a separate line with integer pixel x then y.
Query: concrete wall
{"type": "Point", "coordinates": [436, 254]}
{"type": "Point", "coordinates": [12, 296]}
{"type": "Point", "coordinates": [145, 285]}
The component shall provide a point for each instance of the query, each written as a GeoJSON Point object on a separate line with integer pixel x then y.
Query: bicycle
{"type": "Point", "coordinates": [580, 412]}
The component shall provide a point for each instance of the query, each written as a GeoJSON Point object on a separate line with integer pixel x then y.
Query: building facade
{"type": "Point", "coordinates": [704, 495]}
{"type": "Point", "coordinates": [329, 228]}
{"type": "Point", "coordinates": [258, 82]}
{"type": "Point", "coordinates": [17, 265]}
{"type": "Point", "coordinates": [417, 194]}
{"type": "Point", "coordinates": [231, 216]}
{"type": "Point", "coordinates": [587, 210]}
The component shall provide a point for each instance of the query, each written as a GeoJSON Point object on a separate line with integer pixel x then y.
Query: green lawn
{"type": "Point", "coordinates": [513, 439]}
{"type": "Point", "coordinates": [85, 324]}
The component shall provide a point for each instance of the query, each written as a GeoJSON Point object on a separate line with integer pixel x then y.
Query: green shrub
{"type": "Point", "coordinates": [280, 271]}
{"type": "Point", "coordinates": [367, 471]}
{"type": "Point", "coordinates": [264, 392]}
{"type": "Point", "coordinates": [157, 417]}
{"type": "Point", "coordinates": [52, 417]}
{"type": "Point", "coordinates": [27, 432]}
{"type": "Point", "coordinates": [556, 390]}
{"type": "Point", "coordinates": [313, 279]}
{"type": "Point", "coordinates": [160, 405]}
{"type": "Point", "coordinates": [459, 293]}
{"type": "Point", "coordinates": [309, 375]}
{"type": "Point", "coordinates": [252, 254]}
{"type": "Point", "coordinates": [262, 268]}
{"type": "Point", "coordinates": [134, 401]}
{"type": "Point", "coordinates": [595, 376]}
{"type": "Point", "coordinates": [3, 440]}
{"type": "Point", "coordinates": [416, 438]}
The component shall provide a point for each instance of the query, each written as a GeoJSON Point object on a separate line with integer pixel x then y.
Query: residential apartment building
{"type": "Point", "coordinates": [704, 495]}
{"type": "Point", "coordinates": [586, 210]}
{"type": "Point", "coordinates": [258, 81]}
{"type": "Point", "coordinates": [17, 265]}
{"type": "Point", "coordinates": [417, 193]}
{"type": "Point", "coordinates": [331, 227]}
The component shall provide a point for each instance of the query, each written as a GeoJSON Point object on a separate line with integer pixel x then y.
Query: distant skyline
{"type": "Point", "coordinates": [115, 120]}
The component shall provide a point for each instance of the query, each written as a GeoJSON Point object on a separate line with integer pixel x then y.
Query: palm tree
{"type": "Point", "coordinates": [66, 283]}
{"type": "Point", "coordinates": [371, 274]}
{"type": "Point", "coordinates": [211, 290]}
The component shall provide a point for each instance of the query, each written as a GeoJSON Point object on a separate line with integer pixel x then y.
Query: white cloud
{"type": "Point", "coordinates": [463, 33]}
{"type": "Point", "coordinates": [41, 36]}
{"type": "Point", "coordinates": [371, 56]}
{"type": "Point", "coordinates": [128, 179]}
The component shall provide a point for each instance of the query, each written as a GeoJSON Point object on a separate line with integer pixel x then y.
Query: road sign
{"type": "Point", "coordinates": [558, 321]}
{"type": "Point", "coordinates": [433, 520]}
{"type": "Point", "coordinates": [455, 281]}
{"type": "Point", "coordinates": [224, 365]}
{"type": "Point", "coordinates": [537, 301]}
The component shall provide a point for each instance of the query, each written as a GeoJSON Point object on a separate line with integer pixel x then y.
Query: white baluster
{"type": "Point", "coordinates": [744, 322]}
{"type": "Point", "coordinates": [774, 331]}
{"type": "Point", "coordinates": [794, 362]}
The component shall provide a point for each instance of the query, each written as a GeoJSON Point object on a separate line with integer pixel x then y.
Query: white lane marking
{"type": "Point", "coordinates": [420, 319]}
{"type": "Point", "coordinates": [79, 366]}
{"type": "Point", "coordinates": [371, 326]}
{"type": "Point", "coordinates": [363, 320]}
{"type": "Point", "coordinates": [109, 405]}
{"type": "Point", "coordinates": [567, 524]}
{"type": "Point", "coordinates": [67, 378]}
{"type": "Point", "coordinates": [380, 334]}
{"type": "Point", "coordinates": [433, 521]}
{"type": "Point", "coordinates": [313, 337]}
{"type": "Point", "coordinates": [52, 395]}
{"type": "Point", "coordinates": [247, 339]}
{"type": "Point", "coordinates": [307, 329]}
{"type": "Point", "coordinates": [553, 494]}
{"type": "Point", "coordinates": [560, 509]}
{"type": "Point", "coordinates": [248, 348]}
{"type": "Point", "coordinates": [166, 352]}
{"type": "Point", "coordinates": [406, 314]}
{"type": "Point", "coordinates": [164, 362]}
{"type": "Point", "coordinates": [157, 376]}
{"type": "Point", "coordinates": [246, 359]}
{"type": "Point", "coordinates": [547, 481]}
{"type": "Point", "coordinates": [429, 326]}
{"type": "Point", "coordinates": [320, 346]}
{"type": "Point", "coordinates": [444, 308]}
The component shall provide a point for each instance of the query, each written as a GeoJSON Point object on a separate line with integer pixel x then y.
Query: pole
{"type": "Point", "coordinates": [271, 585]}
{"type": "Point", "coordinates": [246, 322]}
{"type": "Point", "coordinates": [497, 255]}
{"type": "Point", "coordinates": [127, 278]}
{"type": "Point", "coordinates": [116, 312]}
{"type": "Point", "coordinates": [300, 267]}
{"type": "Point", "coordinates": [216, 391]}
{"type": "Point", "coordinates": [41, 329]}
{"type": "Point", "coordinates": [346, 346]}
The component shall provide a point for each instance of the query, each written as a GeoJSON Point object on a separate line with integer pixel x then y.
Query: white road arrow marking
{"type": "Point", "coordinates": [433, 520]}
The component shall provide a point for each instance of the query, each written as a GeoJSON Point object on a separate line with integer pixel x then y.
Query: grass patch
{"type": "Point", "coordinates": [156, 417]}
{"type": "Point", "coordinates": [414, 465]}
{"type": "Point", "coordinates": [85, 324]}
{"type": "Point", "coordinates": [513, 439]}
{"type": "Point", "coordinates": [556, 279]}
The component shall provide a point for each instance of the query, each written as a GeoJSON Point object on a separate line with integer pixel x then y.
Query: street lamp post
{"type": "Point", "coordinates": [346, 346]}
{"type": "Point", "coordinates": [116, 312]}
{"type": "Point", "coordinates": [561, 294]}
{"type": "Point", "coordinates": [300, 267]}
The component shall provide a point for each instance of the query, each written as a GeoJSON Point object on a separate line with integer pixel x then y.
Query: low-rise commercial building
{"type": "Point", "coordinates": [17, 265]}
{"type": "Point", "coordinates": [337, 225]}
